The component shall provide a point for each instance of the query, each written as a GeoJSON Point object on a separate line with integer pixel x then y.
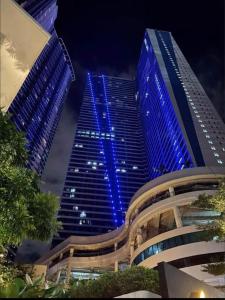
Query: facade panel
{"type": "Point", "coordinates": [36, 109]}
{"type": "Point", "coordinates": [107, 160]}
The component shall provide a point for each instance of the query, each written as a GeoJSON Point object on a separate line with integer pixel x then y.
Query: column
{"type": "Point", "coordinates": [58, 275]}
{"type": "Point", "coordinates": [115, 246]}
{"type": "Point", "coordinates": [71, 252]}
{"type": "Point", "coordinates": [68, 270]}
{"type": "Point", "coordinates": [116, 266]}
{"type": "Point", "coordinates": [177, 216]}
{"type": "Point", "coordinates": [171, 191]}
{"type": "Point", "coordinates": [139, 237]}
{"type": "Point", "coordinates": [131, 248]}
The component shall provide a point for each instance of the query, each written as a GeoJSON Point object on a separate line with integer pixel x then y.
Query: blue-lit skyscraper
{"type": "Point", "coordinates": [37, 106]}
{"type": "Point", "coordinates": [107, 164]}
{"type": "Point", "coordinates": [132, 131]}
{"type": "Point", "coordinates": [181, 127]}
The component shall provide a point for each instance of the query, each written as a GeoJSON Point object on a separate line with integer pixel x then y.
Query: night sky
{"type": "Point", "coordinates": [106, 36]}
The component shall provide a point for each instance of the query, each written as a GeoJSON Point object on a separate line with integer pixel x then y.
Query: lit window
{"type": "Point", "coordinates": [94, 168]}
{"type": "Point", "coordinates": [216, 154]}
{"type": "Point", "coordinates": [117, 170]}
{"type": "Point", "coordinates": [223, 149]}
{"type": "Point", "coordinates": [202, 125]}
{"type": "Point", "coordinates": [135, 167]}
{"type": "Point", "coordinates": [113, 128]}
{"type": "Point", "coordinates": [207, 136]}
{"type": "Point", "coordinates": [147, 78]}
{"type": "Point", "coordinates": [89, 162]}
{"type": "Point", "coordinates": [123, 162]}
{"type": "Point", "coordinates": [83, 214]}
{"type": "Point", "coordinates": [94, 163]}
{"type": "Point", "coordinates": [210, 142]}
{"type": "Point", "coordinates": [100, 164]}
{"type": "Point", "coordinates": [75, 208]}
{"type": "Point", "coordinates": [123, 171]}
{"type": "Point", "coordinates": [76, 170]}
{"type": "Point", "coordinates": [219, 161]}
{"type": "Point", "coordinates": [146, 95]}
{"type": "Point", "coordinates": [73, 190]}
{"type": "Point", "coordinates": [106, 177]}
{"type": "Point", "coordinates": [213, 148]}
{"type": "Point", "coordinates": [204, 130]}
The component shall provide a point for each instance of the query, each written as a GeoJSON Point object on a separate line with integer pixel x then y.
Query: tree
{"type": "Point", "coordinates": [215, 202]}
{"type": "Point", "coordinates": [114, 284]}
{"type": "Point", "coordinates": [216, 228]}
{"type": "Point", "coordinates": [25, 213]}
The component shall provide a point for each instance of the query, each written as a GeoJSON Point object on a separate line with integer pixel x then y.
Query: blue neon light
{"type": "Point", "coordinates": [165, 145]}
{"type": "Point", "coordinates": [103, 150]}
{"type": "Point", "coordinates": [116, 195]}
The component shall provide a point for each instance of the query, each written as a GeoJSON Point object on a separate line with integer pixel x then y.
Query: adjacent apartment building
{"type": "Point", "coordinates": [36, 58]}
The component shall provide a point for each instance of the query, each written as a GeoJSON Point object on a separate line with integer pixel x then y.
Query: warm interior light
{"type": "Point", "coordinates": [202, 294]}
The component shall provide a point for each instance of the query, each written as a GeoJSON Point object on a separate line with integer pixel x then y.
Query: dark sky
{"type": "Point", "coordinates": [106, 35]}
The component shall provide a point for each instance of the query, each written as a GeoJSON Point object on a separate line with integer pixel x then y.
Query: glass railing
{"type": "Point", "coordinates": [176, 241]}
{"type": "Point", "coordinates": [177, 190]}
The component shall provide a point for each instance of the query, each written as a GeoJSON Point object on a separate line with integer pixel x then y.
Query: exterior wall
{"type": "Point", "coordinates": [178, 117]}
{"type": "Point", "coordinates": [165, 145]}
{"type": "Point", "coordinates": [108, 251]}
{"type": "Point", "coordinates": [106, 158]}
{"type": "Point", "coordinates": [20, 47]}
{"type": "Point", "coordinates": [202, 112]}
{"type": "Point", "coordinates": [36, 109]}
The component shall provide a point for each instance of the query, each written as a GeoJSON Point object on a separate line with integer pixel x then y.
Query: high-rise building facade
{"type": "Point", "coordinates": [37, 106]}
{"type": "Point", "coordinates": [107, 164]}
{"type": "Point", "coordinates": [132, 131]}
{"type": "Point", "coordinates": [182, 128]}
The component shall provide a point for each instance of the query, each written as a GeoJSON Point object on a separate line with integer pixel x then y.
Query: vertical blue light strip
{"type": "Point", "coordinates": [112, 199]}
{"type": "Point", "coordinates": [117, 195]}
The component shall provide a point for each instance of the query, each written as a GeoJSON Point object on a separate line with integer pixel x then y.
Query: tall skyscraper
{"type": "Point", "coordinates": [182, 128]}
{"type": "Point", "coordinates": [130, 132]}
{"type": "Point", "coordinates": [37, 106]}
{"type": "Point", "coordinates": [107, 164]}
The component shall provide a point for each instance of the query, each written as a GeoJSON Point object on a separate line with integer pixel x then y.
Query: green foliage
{"type": "Point", "coordinates": [12, 150]}
{"type": "Point", "coordinates": [20, 288]}
{"type": "Point", "coordinates": [215, 202]}
{"type": "Point", "coordinates": [114, 284]}
{"type": "Point", "coordinates": [8, 271]}
{"type": "Point", "coordinates": [215, 268]}
{"type": "Point", "coordinates": [106, 286]}
{"type": "Point", "coordinates": [25, 213]}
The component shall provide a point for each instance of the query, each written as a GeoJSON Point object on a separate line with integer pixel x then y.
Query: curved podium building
{"type": "Point", "coordinates": [159, 226]}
